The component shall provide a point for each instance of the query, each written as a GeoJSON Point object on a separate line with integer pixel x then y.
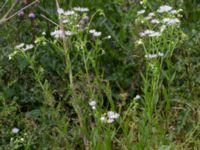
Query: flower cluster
{"type": "Point", "coordinates": [24, 47]}
{"type": "Point", "coordinates": [152, 56]}
{"type": "Point", "coordinates": [71, 20]}
{"type": "Point", "coordinates": [149, 33]}
{"type": "Point", "coordinates": [110, 117]}
{"type": "Point", "coordinates": [15, 130]}
{"type": "Point", "coordinates": [95, 33]}
{"type": "Point", "coordinates": [155, 18]}
{"type": "Point", "coordinates": [61, 33]}
{"type": "Point", "coordinates": [137, 97]}
{"type": "Point", "coordinates": [93, 104]}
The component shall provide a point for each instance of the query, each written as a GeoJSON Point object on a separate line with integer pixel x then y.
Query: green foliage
{"type": "Point", "coordinates": [46, 91]}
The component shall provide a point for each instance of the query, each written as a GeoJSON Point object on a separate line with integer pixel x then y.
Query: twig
{"type": "Point", "coordinates": [5, 18]}
{"type": "Point", "coordinates": [43, 16]}
{"type": "Point", "coordinates": [4, 4]}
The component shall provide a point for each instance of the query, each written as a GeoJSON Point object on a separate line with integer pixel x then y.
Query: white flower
{"type": "Point", "coordinates": [155, 21]}
{"type": "Point", "coordinates": [97, 34]}
{"type": "Point", "coordinates": [60, 11]}
{"type": "Point", "coordinates": [43, 33]}
{"type": "Point", "coordinates": [110, 120]}
{"type": "Point", "coordinates": [155, 34]}
{"type": "Point", "coordinates": [150, 33]}
{"type": "Point", "coordinates": [92, 31]}
{"type": "Point", "coordinates": [68, 13]}
{"type": "Point", "coordinates": [141, 12]}
{"type": "Point", "coordinates": [112, 115]}
{"type": "Point", "coordinates": [15, 130]}
{"type": "Point", "coordinates": [146, 32]}
{"type": "Point", "coordinates": [162, 28]}
{"type": "Point", "coordinates": [28, 46]}
{"type": "Point", "coordinates": [152, 56]}
{"type": "Point", "coordinates": [150, 15]}
{"type": "Point", "coordinates": [160, 54]}
{"type": "Point", "coordinates": [65, 21]}
{"type": "Point", "coordinates": [68, 33]}
{"type": "Point", "coordinates": [137, 97]}
{"type": "Point", "coordinates": [103, 119]}
{"type": "Point", "coordinates": [61, 33]}
{"type": "Point", "coordinates": [116, 115]}
{"type": "Point", "coordinates": [164, 8]}
{"type": "Point", "coordinates": [171, 21]}
{"type": "Point", "coordinates": [173, 11]}
{"type": "Point", "coordinates": [20, 46]}
{"type": "Point", "coordinates": [81, 9]}
{"type": "Point", "coordinates": [108, 37]}
{"type": "Point", "coordinates": [58, 34]}
{"type": "Point", "coordinates": [93, 104]}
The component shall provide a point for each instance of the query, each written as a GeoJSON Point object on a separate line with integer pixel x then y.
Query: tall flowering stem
{"type": "Point", "coordinates": [69, 69]}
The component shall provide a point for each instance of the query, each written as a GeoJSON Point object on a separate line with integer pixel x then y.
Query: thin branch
{"type": "Point", "coordinates": [43, 16]}
{"type": "Point", "coordinates": [4, 4]}
{"type": "Point", "coordinates": [4, 19]}
{"type": "Point", "coordinates": [11, 8]}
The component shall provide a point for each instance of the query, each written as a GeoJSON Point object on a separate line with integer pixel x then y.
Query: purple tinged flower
{"type": "Point", "coordinates": [20, 13]}
{"type": "Point", "coordinates": [15, 130]}
{"type": "Point", "coordinates": [31, 15]}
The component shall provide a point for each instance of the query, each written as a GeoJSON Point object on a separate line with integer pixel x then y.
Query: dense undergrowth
{"type": "Point", "coordinates": [105, 74]}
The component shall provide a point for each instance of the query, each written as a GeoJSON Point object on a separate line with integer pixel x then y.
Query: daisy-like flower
{"type": "Point", "coordinates": [92, 31]}
{"type": "Point", "coordinates": [155, 34]}
{"type": "Point", "coordinates": [60, 11]}
{"type": "Point", "coordinates": [93, 104]}
{"type": "Point", "coordinates": [152, 56]}
{"type": "Point", "coordinates": [112, 115]}
{"type": "Point", "coordinates": [15, 130]}
{"type": "Point", "coordinates": [139, 42]}
{"type": "Point", "coordinates": [164, 8]}
{"type": "Point", "coordinates": [97, 34]}
{"type": "Point", "coordinates": [150, 33]}
{"type": "Point", "coordinates": [68, 33]}
{"type": "Point", "coordinates": [140, 12]}
{"type": "Point", "coordinates": [137, 97]}
{"type": "Point", "coordinates": [28, 47]}
{"type": "Point", "coordinates": [61, 33]}
{"type": "Point", "coordinates": [162, 28]}
{"type": "Point", "coordinates": [69, 13]}
{"type": "Point", "coordinates": [103, 119]}
{"type": "Point", "coordinates": [65, 21]}
{"type": "Point", "coordinates": [81, 9]}
{"type": "Point", "coordinates": [110, 120]}
{"type": "Point", "coordinates": [160, 54]}
{"type": "Point", "coordinates": [31, 15]}
{"type": "Point", "coordinates": [155, 21]}
{"type": "Point", "coordinates": [173, 12]}
{"type": "Point", "coordinates": [20, 46]}
{"type": "Point", "coordinates": [20, 13]}
{"type": "Point", "coordinates": [150, 15]}
{"type": "Point", "coordinates": [44, 33]}
{"type": "Point", "coordinates": [171, 21]}
{"type": "Point", "coordinates": [108, 37]}
{"type": "Point", "coordinates": [146, 32]}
